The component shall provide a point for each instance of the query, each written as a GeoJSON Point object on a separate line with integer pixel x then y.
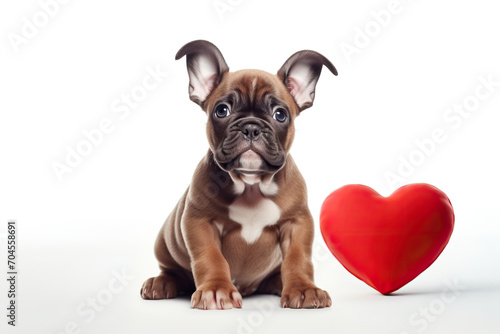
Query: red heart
{"type": "Point", "coordinates": [387, 241]}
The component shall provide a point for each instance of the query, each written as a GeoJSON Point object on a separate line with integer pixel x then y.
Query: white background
{"type": "Point", "coordinates": [104, 215]}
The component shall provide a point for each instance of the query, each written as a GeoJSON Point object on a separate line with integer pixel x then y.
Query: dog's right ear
{"type": "Point", "coordinates": [300, 73]}
{"type": "Point", "coordinates": [205, 65]}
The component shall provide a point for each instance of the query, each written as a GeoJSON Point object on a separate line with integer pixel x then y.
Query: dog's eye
{"type": "Point", "coordinates": [280, 115]}
{"type": "Point", "coordinates": [222, 110]}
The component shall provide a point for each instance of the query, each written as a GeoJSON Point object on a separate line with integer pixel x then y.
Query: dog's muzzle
{"type": "Point", "coordinates": [250, 145]}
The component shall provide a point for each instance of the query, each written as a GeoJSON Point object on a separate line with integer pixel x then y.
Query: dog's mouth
{"type": "Point", "coordinates": [251, 162]}
{"type": "Point", "coordinates": [249, 171]}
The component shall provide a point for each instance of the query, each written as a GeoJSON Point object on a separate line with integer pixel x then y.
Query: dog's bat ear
{"type": "Point", "coordinates": [205, 65]}
{"type": "Point", "coordinates": [300, 73]}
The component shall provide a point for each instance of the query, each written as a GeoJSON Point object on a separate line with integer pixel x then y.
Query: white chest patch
{"type": "Point", "coordinates": [253, 218]}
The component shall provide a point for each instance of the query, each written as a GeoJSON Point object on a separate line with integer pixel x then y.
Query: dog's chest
{"type": "Point", "coordinates": [254, 212]}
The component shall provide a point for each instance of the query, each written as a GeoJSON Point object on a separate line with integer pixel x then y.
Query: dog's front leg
{"type": "Point", "coordinates": [297, 274]}
{"type": "Point", "coordinates": [212, 277]}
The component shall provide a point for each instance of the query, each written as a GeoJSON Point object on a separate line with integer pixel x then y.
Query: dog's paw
{"type": "Point", "coordinates": [305, 297]}
{"type": "Point", "coordinates": [216, 297]}
{"type": "Point", "coordinates": [160, 287]}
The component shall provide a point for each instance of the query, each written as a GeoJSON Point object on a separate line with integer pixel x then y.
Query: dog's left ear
{"type": "Point", "coordinates": [205, 65]}
{"type": "Point", "coordinates": [300, 73]}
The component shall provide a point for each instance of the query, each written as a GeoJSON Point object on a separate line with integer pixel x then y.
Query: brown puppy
{"type": "Point", "coordinates": [243, 226]}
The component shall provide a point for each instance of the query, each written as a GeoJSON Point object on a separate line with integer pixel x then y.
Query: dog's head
{"type": "Point", "coordinates": [250, 112]}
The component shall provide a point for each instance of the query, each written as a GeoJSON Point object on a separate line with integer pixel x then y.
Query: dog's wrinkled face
{"type": "Point", "coordinates": [250, 122]}
{"type": "Point", "coordinates": [251, 112]}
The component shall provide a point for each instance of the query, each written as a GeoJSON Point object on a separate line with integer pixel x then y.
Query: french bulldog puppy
{"type": "Point", "coordinates": [243, 226]}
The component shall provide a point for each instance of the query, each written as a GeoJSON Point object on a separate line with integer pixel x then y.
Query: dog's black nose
{"type": "Point", "coordinates": [251, 131]}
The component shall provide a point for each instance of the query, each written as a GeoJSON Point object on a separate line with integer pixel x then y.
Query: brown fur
{"type": "Point", "coordinates": [194, 258]}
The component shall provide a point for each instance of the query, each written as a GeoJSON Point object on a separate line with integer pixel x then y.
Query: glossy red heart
{"type": "Point", "coordinates": [387, 241]}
